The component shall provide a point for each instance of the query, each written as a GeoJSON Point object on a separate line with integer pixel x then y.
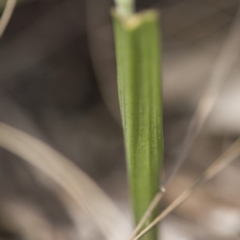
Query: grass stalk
{"type": "Point", "coordinates": [138, 71]}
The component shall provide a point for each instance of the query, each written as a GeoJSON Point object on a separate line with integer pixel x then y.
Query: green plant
{"type": "Point", "coordinates": [138, 70]}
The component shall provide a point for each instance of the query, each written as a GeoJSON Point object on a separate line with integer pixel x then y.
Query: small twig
{"type": "Point", "coordinates": [231, 154]}
{"type": "Point", "coordinates": [7, 13]}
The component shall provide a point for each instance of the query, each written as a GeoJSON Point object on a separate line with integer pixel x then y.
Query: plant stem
{"type": "Point", "coordinates": [138, 70]}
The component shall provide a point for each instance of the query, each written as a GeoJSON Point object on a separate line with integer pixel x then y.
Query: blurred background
{"type": "Point", "coordinates": [58, 83]}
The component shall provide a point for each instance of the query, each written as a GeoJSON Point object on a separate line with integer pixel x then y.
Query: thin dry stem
{"type": "Point", "coordinates": [7, 13]}
{"type": "Point", "coordinates": [69, 177]}
{"type": "Point", "coordinates": [231, 154]}
{"type": "Point", "coordinates": [147, 214]}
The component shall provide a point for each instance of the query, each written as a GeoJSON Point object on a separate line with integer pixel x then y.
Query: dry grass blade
{"type": "Point", "coordinates": [74, 181]}
{"type": "Point", "coordinates": [231, 154]}
{"type": "Point", "coordinates": [7, 13]}
{"type": "Point", "coordinates": [227, 58]}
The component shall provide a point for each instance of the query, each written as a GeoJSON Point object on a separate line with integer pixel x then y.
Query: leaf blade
{"type": "Point", "coordinates": [138, 68]}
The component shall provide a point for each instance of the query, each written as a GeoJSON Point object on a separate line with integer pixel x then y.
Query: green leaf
{"type": "Point", "coordinates": [139, 86]}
